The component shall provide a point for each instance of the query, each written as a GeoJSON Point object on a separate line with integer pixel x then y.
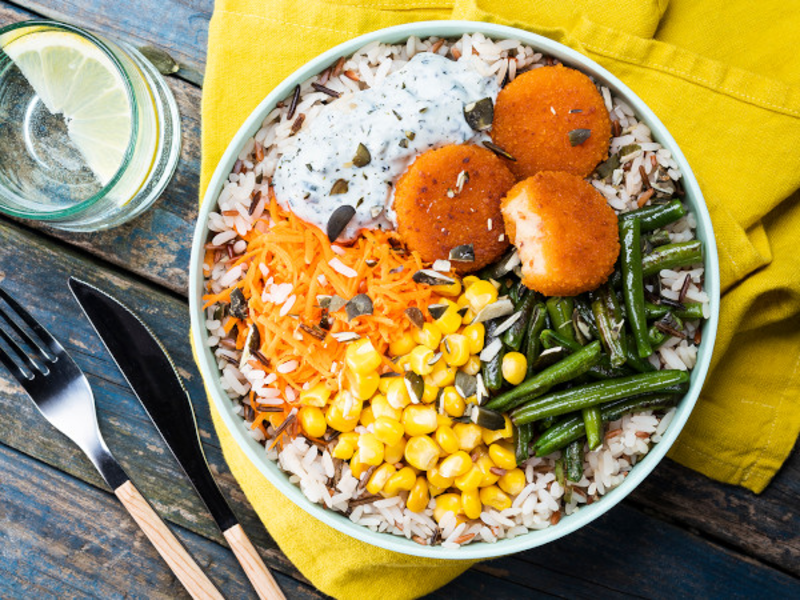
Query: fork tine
{"type": "Point", "coordinates": [16, 371]}
{"type": "Point", "coordinates": [44, 335]}
{"type": "Point", "coordinates": [26, 338]}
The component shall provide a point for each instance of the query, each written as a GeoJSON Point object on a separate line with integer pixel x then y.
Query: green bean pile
{"type": "Point", "coordinates": [587, 356]}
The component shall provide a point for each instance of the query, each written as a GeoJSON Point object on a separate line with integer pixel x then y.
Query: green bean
{"type": "Point", "coordinates": [573, 459]}
{"type": "Point", "coordinates": [559, 472]}
{"type": "Point", "coordinates": [560, 310]}
{"type": "Point", "coordinates": [514, 335]}
{"type": "Point", "coordinates": [656, 336]}
{"type": "Point", "coordinates": [658, 238]}
{"type": "Point", "coordinates": [533, 346]}
{"type": "Point", "coordinates": [522, 441]}
{"type": "Point", "coordinates": [515, 291]}
{"type": "Point", "coordinates": [577, 398]}
{"type": "Point", "coordinates": [656, 215]}
{"type": "Point", "coordinates": [492, 370]}
{"type": "Point", "coordinates": [572, 428]}
{"type": "Point", "coordinates": [672, 256]}
{"type": "Point", "coordinates": [551, 339]}
{"type": "Point", "coordinates": [561, 372]}
{"type": "Point", "coordinates": [633, 284]}
{"type": "Point", "coordinates": [609, 332]}
{"type": "Point", "coordinates": [549, 357]}
{"type": "Point", "coordinates": [593, 423]}
{"type": "Point", "coordinates": [690, 311]}
{"type": "Point", "coordinates": [584, 308]}
{"type": "Point", "coordinates": [603, 370]}
{"type": "Point", "coordinates": [633, 361]}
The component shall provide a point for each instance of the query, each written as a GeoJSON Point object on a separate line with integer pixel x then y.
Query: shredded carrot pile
{"type": "Point", "coordinates": [281, 248]}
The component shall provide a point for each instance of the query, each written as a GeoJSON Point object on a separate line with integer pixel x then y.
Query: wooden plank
{"type": "Point", "coordinates": [64, 538]}
{"type": "Point", "coordinates": [766, 526]}
{"type": "Point", "coordinates": [180, 28]}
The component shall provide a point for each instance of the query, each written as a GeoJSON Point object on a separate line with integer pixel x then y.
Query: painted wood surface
{"type": "Point", "coordinates": [678, 534]}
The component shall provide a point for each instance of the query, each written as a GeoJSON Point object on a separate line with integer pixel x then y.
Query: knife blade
{"type": "Point", "coordinates": [151, 374]}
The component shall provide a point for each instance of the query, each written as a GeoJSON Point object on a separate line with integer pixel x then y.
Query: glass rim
{"type": "Point", "coordinates": [104, 47]}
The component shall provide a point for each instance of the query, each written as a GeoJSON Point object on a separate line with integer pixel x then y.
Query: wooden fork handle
{"type": "Point", "coordinates": [257, 572]}
{"type": "Point", "coordinates": [174, 554]}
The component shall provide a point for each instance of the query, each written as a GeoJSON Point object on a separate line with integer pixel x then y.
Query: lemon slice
{"type": "Point", "coordinates": [73, 77]}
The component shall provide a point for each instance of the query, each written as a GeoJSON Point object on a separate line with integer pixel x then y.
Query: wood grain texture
{"type": "Point", "coordinates": [62, 538]}
{"type": "Point", "coordinates": [257, 572]}
{"type": "Point", "coordinates": [180, 562]}
{"type": "Point", "coordinates": [179, 27]}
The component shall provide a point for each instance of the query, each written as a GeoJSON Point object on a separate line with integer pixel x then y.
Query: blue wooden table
{"type": "Point", "coordinates": [63, 534]}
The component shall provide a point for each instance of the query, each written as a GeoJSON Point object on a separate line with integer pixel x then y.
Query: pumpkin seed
{"type": "Point", "coordinates": [345, 336]}
{"type": "Point", "coordinates": [495, 310]}
{"type": "Point", "coordinates": [251, 344]}
{"type": "Point", "coordinates": [578, 136]}
{"type": "Point", "coordinates": [437, 310]}
{"type": "Point", "coordinates": [415, 386]}
{"type": "Point", "coordinates": [336, 303]}
{"type": "Point", "coordinates": [606, 168]}
{"type": "Point", "coordinates": [416, 317]}
{"type": "Point", "coordinates": [466, 385]}
{"type": "Point", "coordinates": [499, 151]}
{"type": "Point", "coordinates": [488, 419]}
{"type": "Point", "coordinates": [340, 219]}
{"type": "Point", "coordinates": [431, 277]}
{"type": "Point", "coordinates": [463, 253]}
{"type": "Point", "coordinates": [362, 157]}
{"type": "Point", "coordinates": [359, 305]}
{"type": "Point", "coordinates": [479, 115]}
{"type": "Point", "coordinates": [238, 304]}
{"type": "Point", "coordinates": [340, 186]}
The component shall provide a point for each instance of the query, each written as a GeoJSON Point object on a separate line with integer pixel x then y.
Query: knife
{"type": "Point", "coordinates": [149, 371]}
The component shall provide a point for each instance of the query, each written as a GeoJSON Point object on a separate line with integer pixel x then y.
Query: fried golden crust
{"type": "Point", "coordinates": [535, 113]}
{"type": "Point", "coordinates": [566, 232]}
{"type": "Point", "coordinates": [432, 222]}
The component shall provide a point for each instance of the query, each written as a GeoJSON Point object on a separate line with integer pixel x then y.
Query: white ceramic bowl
{"type": "Point", "coordinates": [255, 451]}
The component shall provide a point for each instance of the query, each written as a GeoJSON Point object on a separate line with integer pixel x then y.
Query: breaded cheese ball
{"type": "Point", "coordinates": [449, 197]}
{"type": "Point", "coordinates": [566, 233]}
{"type": "Point", "coordinates": [535, 113]}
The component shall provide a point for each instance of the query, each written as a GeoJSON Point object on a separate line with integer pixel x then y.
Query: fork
{"type": "Point", "coordinates": [61, 392]}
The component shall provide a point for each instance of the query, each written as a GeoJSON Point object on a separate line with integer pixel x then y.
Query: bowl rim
{"type": "Point", "coordinates": [255, 451]}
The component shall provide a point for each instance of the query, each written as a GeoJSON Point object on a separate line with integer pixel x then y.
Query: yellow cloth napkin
{"type": "Point", "coordinates": [725, 81]}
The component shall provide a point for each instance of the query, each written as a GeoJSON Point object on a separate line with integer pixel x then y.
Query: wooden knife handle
{"type": "Point", "coordinates": [257, 572]}
{"type": "Point", "coordinates": [174, 554]}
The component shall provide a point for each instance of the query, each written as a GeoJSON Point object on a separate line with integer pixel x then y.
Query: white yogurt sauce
{"type": "Point", "coordinates": [419, 107]}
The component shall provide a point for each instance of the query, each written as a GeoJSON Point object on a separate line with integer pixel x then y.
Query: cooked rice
{"type": "Point", "coordinates": [543, 499]}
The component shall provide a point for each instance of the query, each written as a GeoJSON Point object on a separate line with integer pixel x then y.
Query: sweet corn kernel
{"type": "Point", "coordinates": [447, 503]}
{"type": "Point", "coordinates": [370, 449]}
{"type": "Point", "coordinates": [456, 350]}
{"type": "Point", "coordinates": [344, 450]}
{"type": "Point", "coordinates": [435, 491]}
{"type": "Point", "coordinates": [468, 316]}
{"type": "Point", "coordinates": [402, 345]}
{"type": "Point", "coordinates": [472, 366]}
{"type": "Point", "coordinates": [419, 359]}
{"type": "Point", "coordinates": [312, 420]}
{"type": "Point", "coordinates": [446, 438]}
{"type": "Point", "coordinates": [381, 408]}
{"type": "Point", "coordinates": [453, 402]}
{"type": "Point", "coordinates": [471, 503]}
{"type": "Point", "coordinates": [357, 467]}
{"type": "Point", "coordinates": [418, 497]}
{"type": "Point", "coordinates": [343, 412]}
{"type": "Point", "coordinates": [490, 436]}
{"type": "Point", "coordinates": [429, 336]}
{"type": "Point", "coordinates": [485, 464]}
{"type": "Point", "coordinates": [351, 437]}
{"type": "Point", "coordinates": [442, 374]}
{"type": "Point", "coordinates": [436, 478]}
{"type": "Point", "coordinates": [394, 454]}
{"type": "Point", "coordinates": [495, 497]}
{"type": "Point", "coordinates": [367, 417]}
{"type": "Point", "coordinates": [469, 280]}
{"type": "Point", "coordinates": [514, 367]}
{"type": "Point", "coordinates": [479, 294]}
{"type": "Point", "coordinates": [429, 393]}
{"type": "Point", "coordinates": [450, 321]}
{"type": "Point", "coordinates": [443, 420]}
{"type": "Point", "coordinates": [469, 435]}
{"type": "Point", "coordinates": [502, 454]}
{"type": "Point", "coordinates": [404, 479]}
{"type": "Point", "coordinates": [361, 357]}
{"type": "Point", "coordinates": [476, 336]}
{"type": "Point", "coordinates": [470, 480]}
{"type": "Point", "coordinates": [383, 384]}
{"type": "Point", "coordinates": [450, 290]}
{"type": "Point", "coordinates": [362, 386]}
{"type": "Point", "coordinates": [512, 482]}
{"type": "Point", "coordinates": [380, 477]}
{"type": "Point", "coordinates": [404, 362]}
{"type": "Point", "coordinates": [388, 431]}
{"type": "Point", "coordinates": [419, 419]}
{"type": "Point", "coordinates": [421, 452]}
{"type": "Point", "coordinates": [397, 396]}
{"type": "Point", "coordinates": [315, 396]}
{"type": "Point", "coordinates": [456, 464]}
